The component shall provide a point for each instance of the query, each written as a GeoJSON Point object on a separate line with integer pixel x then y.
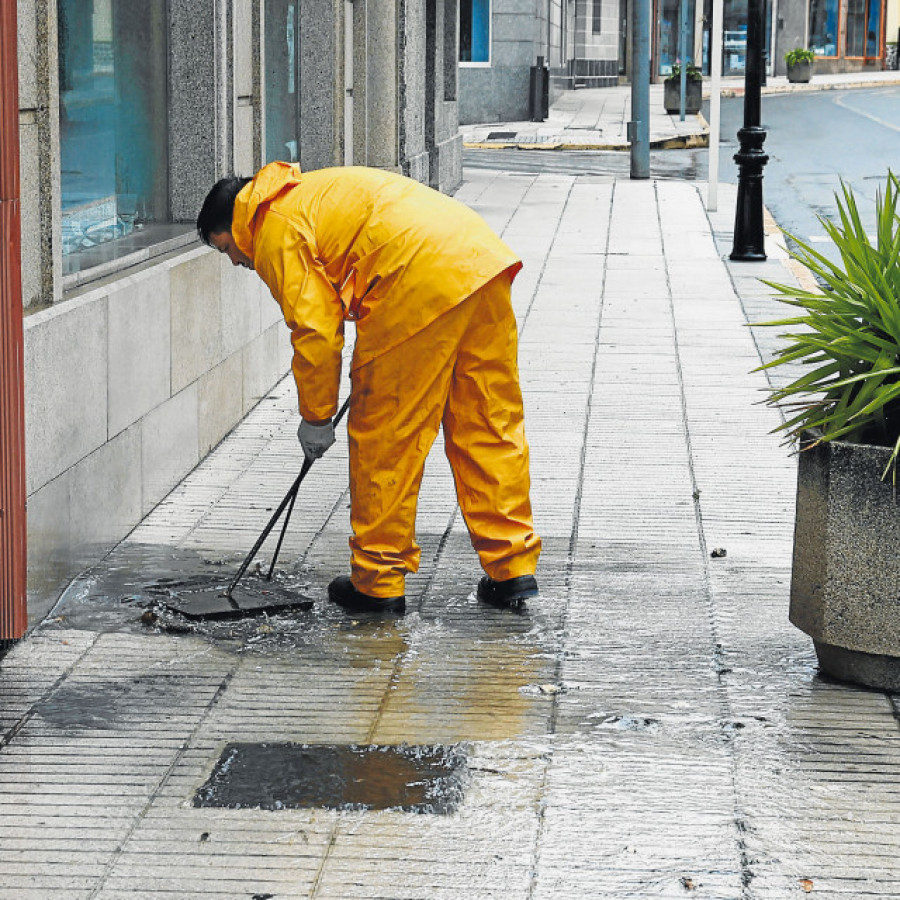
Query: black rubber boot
{"type": "Point", "coordinates": [513, 592]}
{"type": "Point", "coordinates": [342, 592]}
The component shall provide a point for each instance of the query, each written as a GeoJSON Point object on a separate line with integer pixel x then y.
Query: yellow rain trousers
{"type": "Point", "coordinates": [428, 285]}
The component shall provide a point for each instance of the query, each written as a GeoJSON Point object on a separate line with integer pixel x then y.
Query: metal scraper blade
{"type": "Point", "coordinates": [215, 603]}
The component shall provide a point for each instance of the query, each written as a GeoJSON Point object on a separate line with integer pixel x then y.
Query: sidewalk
{"type": "Point", "coordinates": [651, 726]}
{"type": "Point", "coordinates": [597, 118]}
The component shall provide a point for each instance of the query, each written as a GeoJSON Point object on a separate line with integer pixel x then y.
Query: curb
{"type": "Point", "coordinates": [809, 86]}
{"type": "Point", "coordinates": [803, 276]}
{"type": "Point", "coordinates": [678, 142]}
{"type": "Point", "coordinates": [684, 142]}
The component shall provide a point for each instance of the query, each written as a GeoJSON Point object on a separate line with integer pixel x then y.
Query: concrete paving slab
{"type": "Point", "coordinates": [650, 726]}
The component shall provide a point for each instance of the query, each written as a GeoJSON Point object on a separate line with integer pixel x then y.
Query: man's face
{"type": "Point", "coordinates": [224, 243]}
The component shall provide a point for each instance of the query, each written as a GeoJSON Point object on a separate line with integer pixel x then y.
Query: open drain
{"type": "Point", "coordinates": [203, 598]}
{"type": "Point", "coordinates": [421, 779]}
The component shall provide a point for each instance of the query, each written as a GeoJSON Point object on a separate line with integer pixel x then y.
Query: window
{"type": "Point", "coordinates": [113, 131]}
{"type": "Point", "coordinates": [670, 34]}
{"type": "Point", "coordinates": [474, 31]}
{"type": "Point", "coordinates": [855, 36]}
{"type": "Point", "coordinates": [873, 29]}
{"type": "Point", "coordinates": [823, 26]}
{"type": "Point", "coordinates": [282, 81]}
{"type": "Point", "coordinates": [597, 17]}
{"type": "Point", "coordinates": [863, 33]}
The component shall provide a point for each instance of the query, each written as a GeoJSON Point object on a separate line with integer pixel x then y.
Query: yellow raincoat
{"type": "Point", "coordinates": [427, 283]}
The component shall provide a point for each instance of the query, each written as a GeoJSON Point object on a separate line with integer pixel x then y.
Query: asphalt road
{"type": "Point", "coordinates": [815, 140]}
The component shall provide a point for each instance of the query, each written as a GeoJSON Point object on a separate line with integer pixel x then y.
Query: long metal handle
{"type": "Point", "coordinates": [287, 518]}
{"type": "Point", "coordinates": [288, 500]}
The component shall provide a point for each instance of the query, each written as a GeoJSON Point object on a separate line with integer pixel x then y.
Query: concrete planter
{"type": "Point", "coordinates": [845, 587]}
{"type": "Point", "coordinates": [672, 96]}
{"type": "Point", "coordinates": [799, 72]}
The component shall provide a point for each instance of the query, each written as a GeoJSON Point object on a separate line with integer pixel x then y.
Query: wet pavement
{"type": "Point", "coordinates": [650, 726]}
{"type": "Point", "coordinates": [596, 119]}
{"type": "Point", "coordinates": [591, 119]}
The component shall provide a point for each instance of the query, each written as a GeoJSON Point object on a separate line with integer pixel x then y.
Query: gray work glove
{"type": "Point", "coordinates": [315, 439]}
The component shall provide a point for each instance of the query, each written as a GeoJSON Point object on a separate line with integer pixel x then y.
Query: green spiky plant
{"type": "Point", "coordinates": [799, 55]}
{"type": "Point", "coordinates": [849, 334]}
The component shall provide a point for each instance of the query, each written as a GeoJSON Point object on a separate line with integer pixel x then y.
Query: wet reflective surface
{"type": "Point", "coordinates": [681, 164]}
{"type": "Point", "coordinates": [291, 776]}
{"type": "Point", "coordinates": [650, 726]}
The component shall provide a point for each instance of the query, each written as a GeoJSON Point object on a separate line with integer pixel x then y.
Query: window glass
{"type": "Point", "coordinates": [282, 81]}
{"type": "Point", "coordinates": [734, 37]}
{"type": "Point", "coordinates": [670, 34]}
{"type": "Point", "coordinates": [113, 134]}
{"type": "Point", "coordinates": [823, 26]}
{"type": "Point", "coordinates": [855, 35]}
{"type": "Point", "coordinates": [474, 30]}
{"type": "Point", "coordinates": [597, 17]}
{"type": "Point", "coordinates": [873, 29]}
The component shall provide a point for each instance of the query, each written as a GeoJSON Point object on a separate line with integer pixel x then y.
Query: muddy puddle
{"type": "Point", "coordinates": [274, 776]}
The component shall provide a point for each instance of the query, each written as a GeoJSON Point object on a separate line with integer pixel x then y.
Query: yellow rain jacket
{"type": "Point", "coordinates": [359, 244]}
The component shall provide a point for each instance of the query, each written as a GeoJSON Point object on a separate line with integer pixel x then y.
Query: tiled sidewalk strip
{"type": "Point", "coordinates": [651, 727]}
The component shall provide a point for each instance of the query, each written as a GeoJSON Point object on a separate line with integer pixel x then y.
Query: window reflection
{"type": "Point", "coordinates": [873, 29]}
{"type": "Point", "coordinates": [282, 81]}
{"type": "Point", "coordinates": [670, 34]}
{"type": "Point", "coordinates": [112, 80]}
{"type": "Point", "coordinates": [734, 37]}
{"type": "Point", "coordinates": [856, 28]}
{"type": "Point", "coordinates": [474, 31]}
{"type": "Point", "coordinates": [823, 27]}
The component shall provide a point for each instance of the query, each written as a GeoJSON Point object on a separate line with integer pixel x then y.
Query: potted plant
{"type": "Point", "coordinates": [693, 96]}
{"type": "Point", "coordinates": [799, 65]}
{"type": "Point", "coordinates": [844, 411]}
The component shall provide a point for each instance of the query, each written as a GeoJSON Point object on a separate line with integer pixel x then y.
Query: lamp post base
{"type": "Point", "coordinates": [749, 234]}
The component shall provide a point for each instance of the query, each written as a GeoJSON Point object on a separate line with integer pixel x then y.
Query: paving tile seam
{"type": "Point", "coordinates": [510, 226]}
{"type": "Point", "coordinates": [175, 759]}
{"type": "Point", "coordinates": [728, 712]}
{"type": "Point", "coordinates": [211, 464]}
{"type": "Point", "coordinates": [534, 881]}
{"type": "Point", "coordinates": [746, 783]}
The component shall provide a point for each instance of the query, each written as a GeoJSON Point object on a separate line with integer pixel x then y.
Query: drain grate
{"type": "Point", "coordinates": [422, 779]}
{"type": "Point", "coordinates": [501, 135]}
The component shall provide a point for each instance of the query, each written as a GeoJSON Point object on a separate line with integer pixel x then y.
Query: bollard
{"type": "Point", "coordinates": [539, 91]}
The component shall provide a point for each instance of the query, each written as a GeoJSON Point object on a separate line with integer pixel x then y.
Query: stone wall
{"type": "Point", "coordinates": [128, 386]}
{"type": "Point", "coordinates": [499, 92]}
{"type": "Point", "coordinates": [137, 366]}
{"type": "Point", "coordinates": [562, 32]}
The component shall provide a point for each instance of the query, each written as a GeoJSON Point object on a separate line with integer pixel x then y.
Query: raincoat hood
{"type": "Point", "coordinates": [270, 182]}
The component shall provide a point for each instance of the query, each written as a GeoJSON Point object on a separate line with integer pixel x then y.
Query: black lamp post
{"type": "Point", "coordinates": [749, 239]}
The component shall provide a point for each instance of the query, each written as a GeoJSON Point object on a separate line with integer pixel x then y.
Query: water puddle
{"type": "Point", "coordinates": [177, 591]}
{"type": "Point", "coordinates": [273, 776]}
{"type": "Point", "coordinates": [109, 705]}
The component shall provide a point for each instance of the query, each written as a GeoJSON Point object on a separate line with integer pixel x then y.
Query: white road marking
{"type": "Point", "coordinates": [839, 100]}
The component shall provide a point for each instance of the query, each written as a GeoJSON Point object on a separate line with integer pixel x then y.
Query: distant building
{"type": "Point", "coordinates": [500, 40]}
{"type": "Point", "coordinates": [845, 35]}
{"type": "Point", "coordinates": [585, 43]}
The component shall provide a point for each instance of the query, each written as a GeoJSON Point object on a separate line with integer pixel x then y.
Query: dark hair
{"type": "Point", "coordinates": [218, 207]}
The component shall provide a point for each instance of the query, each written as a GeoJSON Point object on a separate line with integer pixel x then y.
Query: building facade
{"type": "Point", "coordinates": [585, 43]}
{"type": "Point", "coordinates": [578, 41]}
{"type": "Point", "coordinates": [143, 349]}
